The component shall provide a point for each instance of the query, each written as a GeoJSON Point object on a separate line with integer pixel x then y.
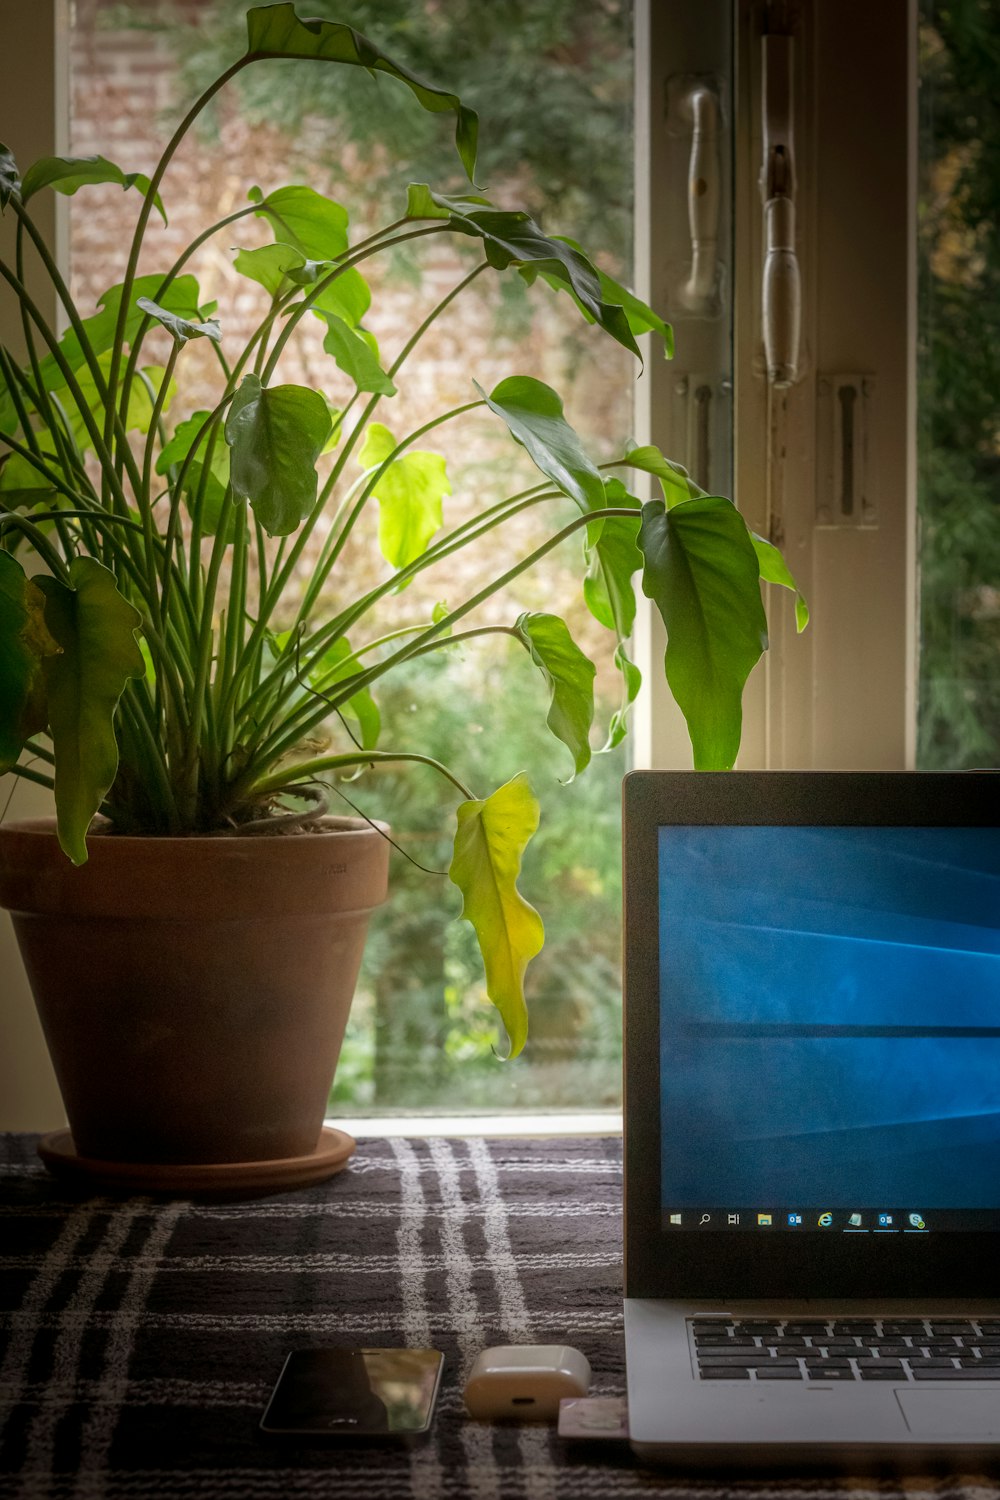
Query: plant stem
{"type": "Point", "coordinates": [310, 769]}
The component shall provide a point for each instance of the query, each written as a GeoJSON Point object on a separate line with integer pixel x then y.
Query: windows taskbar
{"type": "Point", "coordinates": [832, 1220]}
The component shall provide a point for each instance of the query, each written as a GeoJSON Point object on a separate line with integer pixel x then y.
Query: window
{"type": "Point", "coordinates": [831, 466]}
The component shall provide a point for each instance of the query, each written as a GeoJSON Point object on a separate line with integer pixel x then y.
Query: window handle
{"type": "Point", "coordinates": [781, 299]}
{"type": "Point", "coordinates": [700, 105]}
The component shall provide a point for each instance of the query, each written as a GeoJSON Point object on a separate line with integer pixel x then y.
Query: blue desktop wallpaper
{"type": "Point", "coordinates": [830, 1016]}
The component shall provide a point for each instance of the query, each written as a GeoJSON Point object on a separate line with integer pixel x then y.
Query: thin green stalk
{"type": "Point", "coordinates": [50, 557]}
{"type": "Point", "coordinates": [468, 532]}
{"type": "Point", "coordinates": [72, 384]}
{"type": "Point", "coordinates": [301, 308]}
{"type": "Point", "coordinates": [142, 498]}
{"type": "Point", "coordinates": [76, 323]}
{"type": "Point", "coordinates": [311, 769]}
{"type": "Point", "coordinates": [27, 774]}
{"type": "Point", "coordinates": [142, 221]}
{"type": "Point", "coordinates": [283, 742]}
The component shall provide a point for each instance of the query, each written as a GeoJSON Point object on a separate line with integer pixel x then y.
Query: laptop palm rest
{"type": "Point", "coordinates": [951, 1413]}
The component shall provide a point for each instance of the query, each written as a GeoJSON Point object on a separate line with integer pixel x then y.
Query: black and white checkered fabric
{"type": "Point", "coordinates": [139, 1340]}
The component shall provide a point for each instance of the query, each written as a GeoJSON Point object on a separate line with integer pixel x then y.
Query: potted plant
{"type": "Point", "coordinates": [184, 919]}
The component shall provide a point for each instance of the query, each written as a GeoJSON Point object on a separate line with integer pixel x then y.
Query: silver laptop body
{"type": "Point", "coordinates": [812, 1118]}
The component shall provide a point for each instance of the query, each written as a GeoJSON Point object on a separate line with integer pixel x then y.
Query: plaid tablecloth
{"type": "Point", "coordinates": [139, 1339]}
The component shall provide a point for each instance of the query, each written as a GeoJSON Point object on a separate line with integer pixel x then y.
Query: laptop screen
{"type": "Point", "coordinates": [829, 1029]}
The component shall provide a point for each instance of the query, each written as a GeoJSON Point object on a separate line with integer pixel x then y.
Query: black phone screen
{"type": "Point", "coordinates": [354, 1393]}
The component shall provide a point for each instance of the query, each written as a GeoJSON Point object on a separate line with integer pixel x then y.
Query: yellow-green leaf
{"type": "Point", "coordinates": [490, 839]}
{"type": "Point", "coordinates": [409, 496]}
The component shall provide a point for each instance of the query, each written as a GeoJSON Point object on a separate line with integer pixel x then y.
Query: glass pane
{"type": "Point", "coordinates": [553, 84]}
{"type": "Point", "coordinates": [959, 386]}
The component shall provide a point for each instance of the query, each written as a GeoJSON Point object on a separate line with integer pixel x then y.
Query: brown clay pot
{"type": "Point", "coordinates": [194, 991]}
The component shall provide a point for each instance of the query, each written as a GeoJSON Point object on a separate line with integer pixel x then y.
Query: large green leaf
{"type": "Point", "coordinates": [353, 352]}
{"type": "Point", "coordinates": [67, 173]}
{"type": "Point", "coordinates": [95, 628]}
{"type": "Point", "coordinates": [490, 839]}
{"type": "Point", "coordinates": [276, 31]}
{"type": "Point", "coordinates": [675, 481]}
{"type": "Point", "coordinates": [10, 181]}
{"type": "Point", "coordinates": [570, 678]}
{"type": "Point", "coordinates": [303, 218]}
{"type": "Point", "coordinates": [276, 434]}
{"type": "Point", "coordinates": [613, 557]}
{"type": "Point", "coordinates": [533, 412]}
{"type": "Point", "coordinates": [774, 569]}
{"type": "Point", "coordinates": [702, 574]}
{"type": "Point", "coordinates": [25, 642]}
{"type": "Point", "coordinates": [512, 238]}
{"type": "Point", "coordinates": [409, 496]}
{"type": "Point", "coordinates": [182, 329]}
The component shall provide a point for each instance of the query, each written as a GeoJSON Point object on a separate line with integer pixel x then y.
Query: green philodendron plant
{"type": "Point", "coordinates": [152, 667]}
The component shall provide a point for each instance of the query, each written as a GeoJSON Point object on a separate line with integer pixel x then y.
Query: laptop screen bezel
{"type": "Point", "coordinates": [693, 1263]}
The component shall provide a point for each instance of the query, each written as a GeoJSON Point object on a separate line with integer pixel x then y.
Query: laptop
{"type": "Point", "coordinates": [812, 1117]}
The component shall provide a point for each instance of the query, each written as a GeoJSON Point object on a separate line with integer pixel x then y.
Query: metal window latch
{"type": "Point", "coordinates": [694, 109]}
{"type": "Point", "coordinates": [781, 300]}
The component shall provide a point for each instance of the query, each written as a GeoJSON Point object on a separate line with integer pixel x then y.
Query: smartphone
{"type": "Point", "coordinates": [354, 1393]}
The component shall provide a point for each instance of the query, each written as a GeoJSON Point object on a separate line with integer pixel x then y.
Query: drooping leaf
{"type": "Point", "coordinates": [675, 481]}
{"type": "Point", "coordinates": [613, 557]}
{"type": "Point", "coordinates": [490, 839]}
{"type": "Point", "coordinates": [25, 642]}
{"type": "Point", "coordinates": [276, 31]}
{"type": "Point", "coordinates": [269, 265]}
{"type": "Point", "coordinates": [570, 678]}
{"type": "Point", "coordinates": [10, 181]}
{"type": "Point", "coordinates": [640, 316]}
{"type": "Point", "coordinates": [68, 173]}
{"type": "Point", "coordinates": [533, 413]}
{"type": "Point", "coordinates": [301, 217]}
{"type": "Point", "coordinates": [631, 683]}
{"type": "Point", "coordinates": [512, 238]}
{"type": "Point", "coordinates": [95, 628]}
{"type": "Point", "coordinates": [774, 569]}
{"type": "Point", "coordinates": [276, 434]}
{"type": "Point", "coordinates": [702, 574]}
{"type": "Point", "coordinates": [355, 356]}
{"type": "Point", "coordinates": [182, 329]}
{"type": "Point", "coordinates": [409, 495]}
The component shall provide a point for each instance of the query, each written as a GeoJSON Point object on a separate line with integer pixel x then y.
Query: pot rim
{"type": "Point", "coordinates": [330, 823]}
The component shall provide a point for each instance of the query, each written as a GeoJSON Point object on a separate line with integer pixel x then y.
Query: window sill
{"type": "Point", "coordinates": [603, 1122]}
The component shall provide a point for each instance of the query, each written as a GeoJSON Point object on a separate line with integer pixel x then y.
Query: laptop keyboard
{"type": "Point", "coordinates": [899, 1349]}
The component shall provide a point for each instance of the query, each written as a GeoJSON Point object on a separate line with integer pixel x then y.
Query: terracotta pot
{"type": "Point", "coordinates": [194, 991]}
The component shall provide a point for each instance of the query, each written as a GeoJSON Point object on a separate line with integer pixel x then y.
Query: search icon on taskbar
{"type": "Point", "coordinates": [705, 1219]}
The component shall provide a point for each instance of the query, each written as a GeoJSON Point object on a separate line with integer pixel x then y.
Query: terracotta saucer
{"type": "Point", "coordinates": [229, 1178]}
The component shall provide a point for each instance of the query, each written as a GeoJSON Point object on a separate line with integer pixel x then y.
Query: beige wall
{"type": "Point", "coordinates": [31, 109]}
